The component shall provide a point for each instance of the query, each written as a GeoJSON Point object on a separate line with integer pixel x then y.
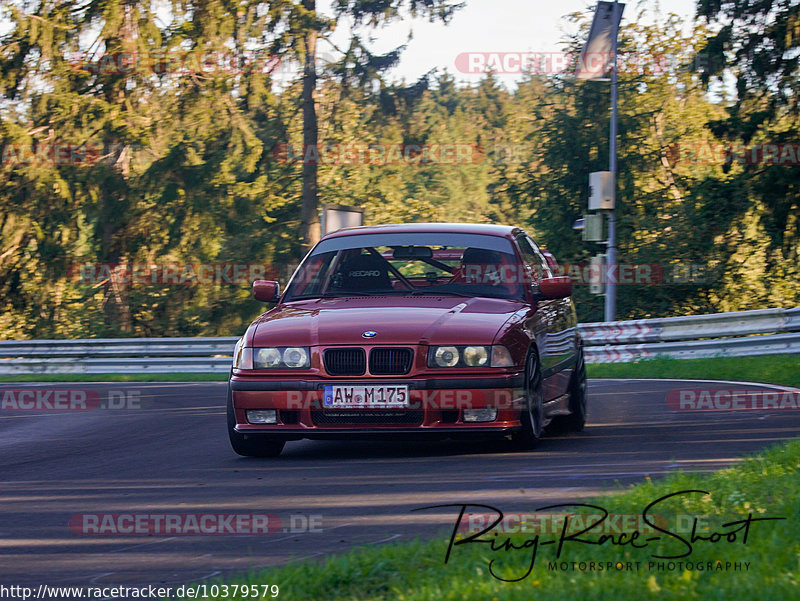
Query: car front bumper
{"type": "Point", "coordinates": [435, 407]}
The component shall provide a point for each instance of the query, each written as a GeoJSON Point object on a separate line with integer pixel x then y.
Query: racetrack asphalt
{"type": "Point", "coordinates": [166, 452]}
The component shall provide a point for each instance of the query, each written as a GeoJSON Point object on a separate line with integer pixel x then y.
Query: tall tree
{"type": "Point", "coordinates": [169, 144]}
{"type": "Point", "coordinates": [55, 104]}
{"type": "Point", "coordinates": [300, 26]}
{"type": "Point", "coordinates": [758, 44]}
{"type": "Point", "coordinates": [662, 107]}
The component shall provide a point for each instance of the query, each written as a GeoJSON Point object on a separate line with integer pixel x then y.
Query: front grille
{"type": "Point", "coordinates": [367, 417]}
{"type": "Point", "coordinates": [345, 361]}
{"type": "Point", "coordinates": [390, 361]}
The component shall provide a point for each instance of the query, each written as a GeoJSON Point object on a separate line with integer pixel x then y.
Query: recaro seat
{"type": "Point", "coordinates": [365, 272]}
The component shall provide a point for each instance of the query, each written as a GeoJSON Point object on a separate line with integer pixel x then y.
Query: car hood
{"type": "Point", "coordinates": [400, 320]}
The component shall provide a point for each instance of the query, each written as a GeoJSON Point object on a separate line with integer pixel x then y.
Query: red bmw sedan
{"type": "Point", "coordinates": [441, 329]}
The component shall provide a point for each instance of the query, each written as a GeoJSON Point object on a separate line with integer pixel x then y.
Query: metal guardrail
{"type": "Point", "coordinates": [146, 365]}
{"type": "Point", "coordinates": [696, 349]}
{"type": "Point", "coordinates": [119, 347]}
{"type": "Point", "coordinates": [117, 355]}
{"type": "Point", "coordinates": [720, 334]}
{"type": "Point", "coordinates": [743, 333]}
{"type": "Point", "coordinates": [714, 325]}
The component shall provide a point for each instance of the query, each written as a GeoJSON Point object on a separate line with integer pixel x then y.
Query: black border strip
{"type": "Point", "coordinates": [432, 384]}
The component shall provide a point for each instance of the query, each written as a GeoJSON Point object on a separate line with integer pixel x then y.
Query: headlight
{"type": "Point", "coordinates": [469, 356]}
{"type": "Point", "coordinates": [446, 356]}
{"type": "Point", "coordinates": [476, 356]}
{"type": "Point", "coordinates": [270, 357]}
{"type": "Point", "coordinates": [296, 357]}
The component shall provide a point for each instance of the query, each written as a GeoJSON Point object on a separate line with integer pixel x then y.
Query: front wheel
{"type": "Point", "coordinates": [533, 413]}
{"type": "Point", "coordinates": [249, 445]}
{"type": "Point", "coordinates": [576, 420]}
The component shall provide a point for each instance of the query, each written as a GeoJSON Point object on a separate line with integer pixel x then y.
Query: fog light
{"type": "Point", "coordinates": [487, 414]}
{"type": "Point", "coordinates": [262, 416]}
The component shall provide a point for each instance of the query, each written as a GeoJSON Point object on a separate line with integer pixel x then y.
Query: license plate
{"type": "Point", "coordinates": [361, 397]}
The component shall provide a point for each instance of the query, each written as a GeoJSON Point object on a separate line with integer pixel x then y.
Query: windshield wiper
{"type": "Point", "coordinates": [438, 293]}
{"type": "Point", "coordinates": [328, 295]}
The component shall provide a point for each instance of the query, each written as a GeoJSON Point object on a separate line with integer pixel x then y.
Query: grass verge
{"type": "Point", "coordinates": [771, 369]}
{"type": "Point", "coordinates": [765, 485]}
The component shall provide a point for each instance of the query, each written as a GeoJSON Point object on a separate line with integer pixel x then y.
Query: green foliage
{"type": "Point", "coordinates": [758, 45]}
{"type": "Point", "coordinates": [184, 172]}
{"type": "Point", "coordinates": [185, 163]}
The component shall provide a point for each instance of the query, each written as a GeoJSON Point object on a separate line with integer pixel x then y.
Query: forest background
{"type": "Point", "coordinates": [131, 139]}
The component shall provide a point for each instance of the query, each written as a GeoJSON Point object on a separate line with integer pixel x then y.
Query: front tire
{"type": "Point", "coordinates": [249, 445]}
{"type": "Point", "coordinates": [576, 420]}
{"type": "Point", "coordinates": [532, 417]}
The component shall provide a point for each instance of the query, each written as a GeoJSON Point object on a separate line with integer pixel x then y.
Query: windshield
{"type": "Point", "coordinates": [410, 264]}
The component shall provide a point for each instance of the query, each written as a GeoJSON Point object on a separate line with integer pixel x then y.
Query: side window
{"type": "Point", "coordinates": [533, 259]}
{"type": "Point", "coordinates": [311, 278]}
{"type": "Point", "coordinates": [546, 267]}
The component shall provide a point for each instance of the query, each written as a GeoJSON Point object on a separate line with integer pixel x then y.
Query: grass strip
{"type": "Point", "coordinates": [771, 369]}
{"type": "Point", "coordinates": [764, 485]}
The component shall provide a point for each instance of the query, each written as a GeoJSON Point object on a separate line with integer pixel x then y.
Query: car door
{"type": "Point", "coordinates": [556, 336]}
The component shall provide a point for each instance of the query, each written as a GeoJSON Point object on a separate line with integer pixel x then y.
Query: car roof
{"type": "Point", "coordinates": [506, 231]}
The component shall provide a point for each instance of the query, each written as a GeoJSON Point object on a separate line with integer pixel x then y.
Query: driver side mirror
{"type": "Point", "coordinates": [557, 287]}
{"type": "Point", "coordinates": [266, 290]}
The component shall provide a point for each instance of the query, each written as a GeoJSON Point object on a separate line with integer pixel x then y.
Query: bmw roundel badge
{"type": "Point", "coordinates": [369, 334]}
